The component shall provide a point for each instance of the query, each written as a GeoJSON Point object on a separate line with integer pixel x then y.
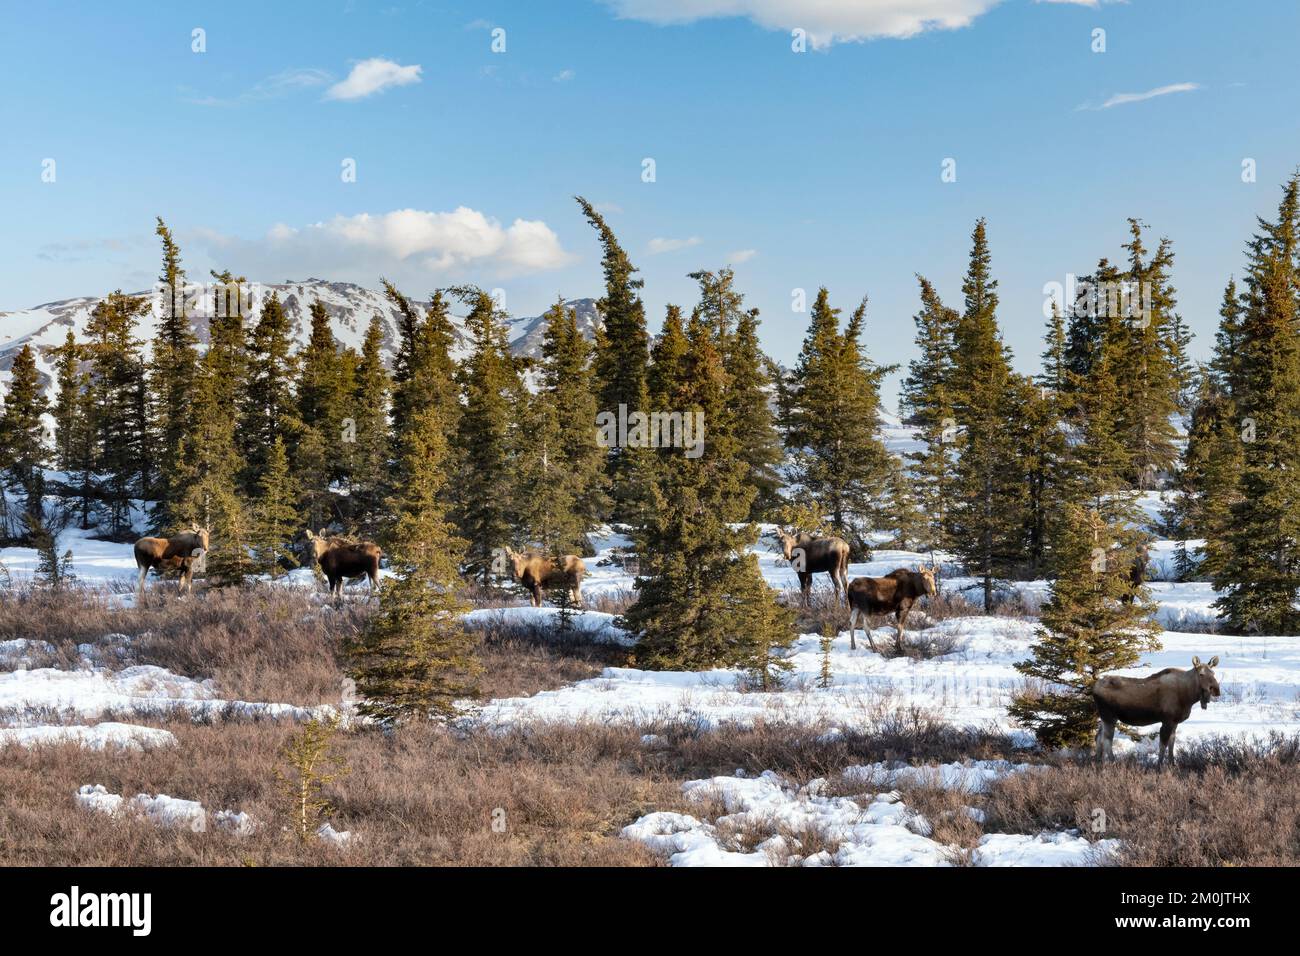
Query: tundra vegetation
{"type": "Point", "coordinates": [441, 464]}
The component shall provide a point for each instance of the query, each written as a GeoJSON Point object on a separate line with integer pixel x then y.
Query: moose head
{"type": "Point", "coordinates": [1205, 679]}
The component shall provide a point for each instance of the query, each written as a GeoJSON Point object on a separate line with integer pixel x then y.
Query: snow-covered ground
{"type": "Point", "coordinates": [783, 823]}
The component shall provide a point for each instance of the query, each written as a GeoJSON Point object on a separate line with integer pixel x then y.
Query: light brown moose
{"type": "Point", "coordinates": [180, 551]}
{"type": "Point", "coordinates": [809, 555]}
{"type": "Point", "coordinates": [895, 594]}
{"type": "Point", "coordinates": [1165, 698]}
{"type": "Point", "coordinates": [342, 560]}
{"type": "Point", "coordinates": [537, 572]}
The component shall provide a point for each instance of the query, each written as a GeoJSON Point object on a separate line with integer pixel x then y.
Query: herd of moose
{"type": "Point", "coordinates": [1166, 697]}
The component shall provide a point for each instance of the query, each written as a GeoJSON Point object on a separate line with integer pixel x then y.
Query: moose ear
{"type": "Point", "coordinates": [1214, 661]}
{"type": "Point", "coordinates": [1196, 662]}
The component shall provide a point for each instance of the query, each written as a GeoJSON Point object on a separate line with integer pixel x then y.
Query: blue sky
{"type": "Point", "coordinates": [800, 169]}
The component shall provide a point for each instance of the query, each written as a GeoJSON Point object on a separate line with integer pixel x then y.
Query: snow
{"type": "Point", "coordinates": [141, 690]}
{"type": "Point", "coordinates": [97, 737]}
{"type": "Point", "coordinates": [591, 625]}
{"type": "Point", "coordinates": [163, 810]}
{"type": "Point", "coordinates": [767, 821]}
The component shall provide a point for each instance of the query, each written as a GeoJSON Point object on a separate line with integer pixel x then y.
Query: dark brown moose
{"type": "Point", "coordinates": [894, 594]}
{"type": "Point", "coordinates": [180, 551]}
{"type": "Point", "coordinates": [537, 572]}
{"type": "Point", "coordinates": [809, 555]}
{"type": "Point", "coordinates": [1164, 698]}
{"type": "Point", "coordinates": [342, 560]}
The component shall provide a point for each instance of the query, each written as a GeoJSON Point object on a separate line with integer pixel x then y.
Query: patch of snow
{"type": "Point", "coordinates": [98, 737]}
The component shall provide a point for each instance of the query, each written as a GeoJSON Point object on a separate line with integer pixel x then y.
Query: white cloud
{"type": "Point", "coordinates": [742, 255]}
{"type": "Point", "coordinates": [826, 21]}
{"type": "Point", "coordinates": [564, 76]}
{"type": "Point", "coordinates": [456, 243]}
{"type": "Point", "coordinates": [1119, 99]}
{"type": "Point", "coordinates": [372, 76]}
{"type": "Point", "coordinates": [658, 246]}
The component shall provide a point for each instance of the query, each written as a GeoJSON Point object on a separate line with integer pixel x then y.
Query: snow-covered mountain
{"type": "Point", "coordinates": [350, 306]}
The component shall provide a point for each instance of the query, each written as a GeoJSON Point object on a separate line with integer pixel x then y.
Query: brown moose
{"type": "Point", "coordinates": [1164, 698]}
{"type": "Point", "coordinates": [342, 560]}
{"type": "Point", "coordinates": [537, 571]}
{"type": "Point", "coordinates": [179, 552]}
{"type": "Point", "coordinates": [810, 555]}
{"type": "Point", "coordinates": [895, 594]}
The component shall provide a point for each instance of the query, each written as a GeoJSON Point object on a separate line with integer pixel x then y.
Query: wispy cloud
{"type": "Point", "coordinates": [742, 255]}
{"type": "Point", "coordinates": [284, 83]}
{"type": "Point", "coordinates": [660, 246]}
{"type": "Point", "coordinates": [372, 76]}
{"type": "Point", "coordinates": [564, 76]}
{"type": "Point", "coordinates": [1120, 99]}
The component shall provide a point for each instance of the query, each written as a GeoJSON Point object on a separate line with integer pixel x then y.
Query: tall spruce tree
{"type": "Point", "coordinates": [989, 499]}
{"type": "Point", "coordinates": [927, 404]}
{"type": "Point", "coordinates": [171, 376]}
{"type": "Point", "coordinates": [1257, 566]}
{"type": "Point", "coordinates": [831, 418]}
{"type": "Point", "coordinates": [622, 347]}
{"type": "Point", "coordinates": [486, 506]}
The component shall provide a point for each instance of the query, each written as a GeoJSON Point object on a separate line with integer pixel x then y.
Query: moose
{"type": "Point", "coordinates": [895, 594]}
{"type": "Point", "coordinates": [180, 551]}
{"type": "Point", "coordinates": [1164, 698]}
{"type": "Point", "coordinates": [813, 555]}
{"type": "Point", "coordinates": [1137, 572]}
{"type": "Point", "coordinates": [537, 571]}
{"type": "Point", "coordinates": [341, 560]}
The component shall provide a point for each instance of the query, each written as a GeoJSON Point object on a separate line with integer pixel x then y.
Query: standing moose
{"type": "Point", "coordinates": [811, 555]}
{"type": "Point", "coordinates": [536, 571]}
{"type": "Point", "coordinates": [1164, 698]}
{"type": "Point", "coordinates": [895, 594]}
{"type": "Point", "coordinates": [168, 554]}
{"type": "Point", "coordinates": [342, 560]}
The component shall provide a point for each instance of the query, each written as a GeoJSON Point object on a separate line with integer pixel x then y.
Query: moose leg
{"type": "Point", "coordinates": [1166, 743]}
{"type": "Point", "coordinates": [139, 587]}
{"type": "Point", "coordinates": [853, 624]}
{"type": "Point", "coordinates": [900, 617]}
{"type": "Point", "coordinates": [1105, 734]}
{"type": "Point", "coordinates": [536, 589]}
{"type": "Point", "coordinates": [374, 586]}
{"type": "Point", "coordinates": [805, 587]}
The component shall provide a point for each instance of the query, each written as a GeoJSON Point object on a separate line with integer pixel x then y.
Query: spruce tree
{"type": "Point", "coordinates": [486, 505]}
{"type": "Point", "coordinates": [989, 499]}
{"type": "Point", "coordinates": [22, 436]}
{"type": "Point", "coordinates": [749, 385]}
{"type": "Point", "coordinates": [1257, 565]}
{"type": "Point", "coordinates": [831, 419]}
{"type": "Point", "coordinates": [414, 658]}
{"type": "Point", "coordinates": [927, 403]}
{"type": "Point", "coordinates": [120, 421]}
{"type": "Point", "coordinates": [1086, 628]}
{"type": "Point", "coordinates": [368, 455]}
{"type": "Point", "coordinates": [702, 601]}
{"type": "Point", "coordinates": [171, 375]}
{"type": "Point", "coordinates": [274, 511]}
{"type": "Point", "coordinates": [267, 407]}
{"type": "Point", "coordinates": [562, 470]}
{"type": "Point", "coordinates": [622, 347]}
